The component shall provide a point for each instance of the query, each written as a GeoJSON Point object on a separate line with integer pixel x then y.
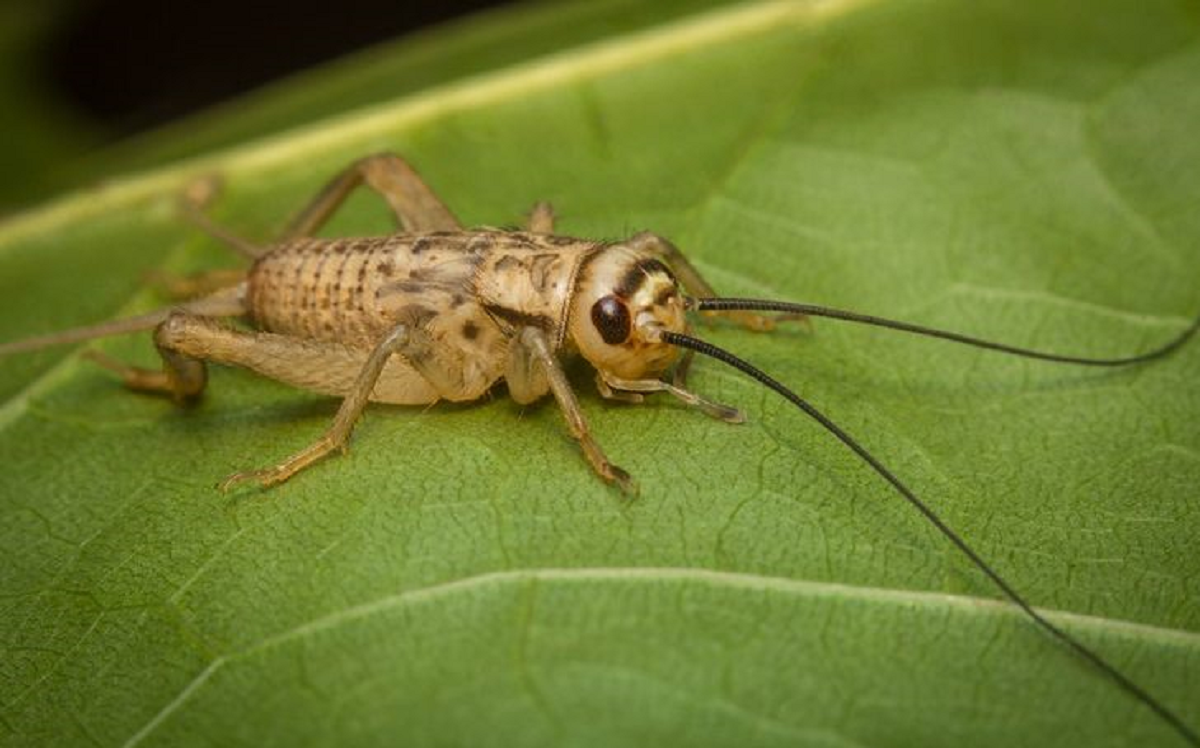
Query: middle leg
{"type": "Point", "coordinates": [337, 435]}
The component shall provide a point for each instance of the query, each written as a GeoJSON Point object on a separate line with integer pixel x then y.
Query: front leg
{"type": "Point", "coordinates": [533, 368]}
{"type": "Point", "coordinates": [631, 390]}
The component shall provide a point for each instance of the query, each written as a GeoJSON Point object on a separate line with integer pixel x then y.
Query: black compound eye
{"type": "Point", "coordinates": [611, 318]}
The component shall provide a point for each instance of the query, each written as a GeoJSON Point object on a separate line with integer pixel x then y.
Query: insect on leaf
{"type": "Point", "coordinates": [1022, 171]}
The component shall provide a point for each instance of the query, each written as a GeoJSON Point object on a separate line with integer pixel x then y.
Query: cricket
{"type": "Point", "coordinates": [438, 312]}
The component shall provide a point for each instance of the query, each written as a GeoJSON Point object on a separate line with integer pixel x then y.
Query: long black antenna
{"type": "Point", "coordinates": [813, 310]}
{"type": "Point", "coordinates": [708, 349]}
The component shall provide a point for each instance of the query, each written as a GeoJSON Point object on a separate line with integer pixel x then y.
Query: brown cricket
{"type": "Point", "coordinates": [440, 312]}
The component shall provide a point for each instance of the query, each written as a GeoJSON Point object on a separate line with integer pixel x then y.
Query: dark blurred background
{"type": "Point", "coordinates": [96, 89]}
{"type": "Point", "coordinates": [84, 83]}
{"type": "Point", "coordinates": [129, 65]}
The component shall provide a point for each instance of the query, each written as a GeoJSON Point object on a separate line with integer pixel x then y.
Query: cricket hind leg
{"type": "Point", "coordinates": [184, 287]}
{"type": "Point", "coordinates": [182, 377]}
{"type": "Point", "coordinates": [187, 341]}
{"type": "Point", "coordinates": [417, 374]}
{"type": "Point", "coordinates": [414, 203]}
{"type": "Point", "coordinates": [196, 197]}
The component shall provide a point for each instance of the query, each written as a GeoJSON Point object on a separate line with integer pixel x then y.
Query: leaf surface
{"type": "Point", "coordinates": [1017, 170]}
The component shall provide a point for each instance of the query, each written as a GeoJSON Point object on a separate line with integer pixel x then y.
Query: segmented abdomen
{"type": "Point", "coordinates": [325, 289]}
{"type": "Point", "coordinates": [354, 290]}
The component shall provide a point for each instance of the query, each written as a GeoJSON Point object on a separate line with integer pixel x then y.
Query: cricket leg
{"type": "Point", "coordinates": [541, 218]}
{"type": "Point", "coordinates": [337, 435]}
{"type": "Point", "coordinates": [195, 198]}
{"type": "Point", "coordinates": [695, 284]}
{"type": "Point", "coordinates": [615, 388]}
{"type": "Point", "coordinates": [420, 373]}
{"type": "Point", "coordinates": [183, 287]}
{"type": "Point", "coordinates": [186, 341]}
{"type": "Point", "coordinates": [532, 370]}
{"type": "Point", "coordinates": [182, 377]}
{"type": "Point", "coordinates": [416, 206]}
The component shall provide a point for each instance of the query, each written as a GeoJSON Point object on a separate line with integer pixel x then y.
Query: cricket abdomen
{"type": "Point", "coordinates": [350, 290]}
{"type": "Point", "coordinates": [353, 292]}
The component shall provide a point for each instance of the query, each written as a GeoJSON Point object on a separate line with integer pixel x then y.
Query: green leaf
{"type": "Point", "coordinates": [1024, 171]}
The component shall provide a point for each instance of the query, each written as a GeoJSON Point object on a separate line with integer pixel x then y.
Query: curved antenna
{"type": "Point", "coordinates": [813, 310]}
{"type": "Point", "coordinates": [1109, 670]}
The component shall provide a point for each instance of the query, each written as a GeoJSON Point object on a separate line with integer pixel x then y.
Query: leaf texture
{"type": "Point", "coordinates": [1023, 171]}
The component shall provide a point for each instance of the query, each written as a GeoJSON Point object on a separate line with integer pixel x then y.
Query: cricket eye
{"type": "Point", "coordinates": [611, 318]}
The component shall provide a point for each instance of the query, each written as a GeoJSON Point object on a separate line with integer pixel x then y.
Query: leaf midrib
{"type": "Point", "coordinates": [724, 579]}
{"type": "Point", "coordinates": [959, 604]}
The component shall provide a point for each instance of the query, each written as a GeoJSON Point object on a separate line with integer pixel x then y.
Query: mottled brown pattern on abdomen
{"type": "Point", "coordinates": [351, 290]}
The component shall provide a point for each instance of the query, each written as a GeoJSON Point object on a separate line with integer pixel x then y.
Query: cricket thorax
{"type": "Point", "coordinates": [527, 279]}
{"type": "Point", "coordinates": [623, 299]}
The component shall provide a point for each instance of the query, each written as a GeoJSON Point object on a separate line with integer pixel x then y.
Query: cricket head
{"type": "Point", "coordinates": [624, 300]}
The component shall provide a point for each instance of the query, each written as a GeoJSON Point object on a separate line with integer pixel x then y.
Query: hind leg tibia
{"type": "Point", "coordinates": [414, 203]}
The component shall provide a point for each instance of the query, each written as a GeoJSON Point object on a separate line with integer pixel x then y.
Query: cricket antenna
{"type": "Point", "coordinates": [80, 334]}
{"type": "Point", "coordinates": [708, 349]}
{"type": "Point", "coordinates": [226, 302]}
{"type": "Point", "coordinates": [813, 310]}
